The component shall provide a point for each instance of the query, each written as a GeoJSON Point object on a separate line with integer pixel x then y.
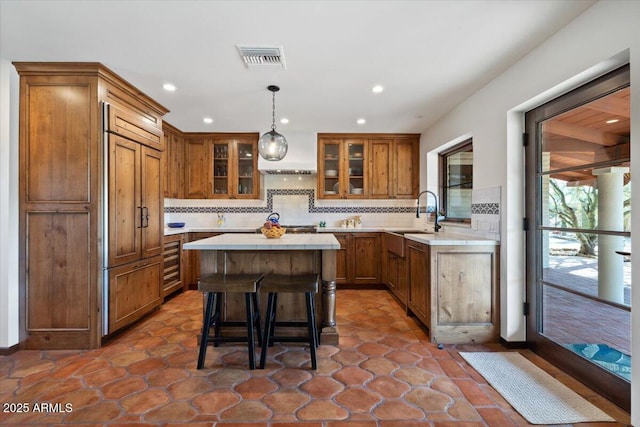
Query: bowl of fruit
{"type": "Point", "coordinates": [271, 229]}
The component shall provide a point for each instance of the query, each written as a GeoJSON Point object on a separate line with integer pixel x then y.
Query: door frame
{"type": "Point", "coordinates": [609, 385]}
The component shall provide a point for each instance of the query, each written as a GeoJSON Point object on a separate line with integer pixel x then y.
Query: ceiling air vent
{"type": "Point", "coordinates": [262, 57]}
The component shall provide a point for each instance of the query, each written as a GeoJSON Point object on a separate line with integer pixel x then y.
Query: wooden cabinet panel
{"type": "Point", "coordinates": [52, 140]}
{"type": "Point", "coordinates": [358, 259]}
{"type": "Point", "coordinates": [125, 209]}
{"type": "Point", "coordinates": [61, 291]}
{"type": "Point", "coordinates": [406, 176]}
{"type": "Point", "coordinates": [135, 126]}
{"type": "Point", "coordinates": [152, 202]}
{"type": "Point", "coordinates": [382, 167]}
{"type": "Point", "coordinates": [198, 167]}
{"type": "Point", "coordinates": [134, 290]}
{"type": "Point", "coordinates": [419, 301]}
{"type": "Point", "coordinates": [341, 259]}
{"type": "Point", "coordinates": [465, 285]}
{"type": "Point", "coordinates": [366, 258]}
{"type": "Point", "coordinates": [173, 162]}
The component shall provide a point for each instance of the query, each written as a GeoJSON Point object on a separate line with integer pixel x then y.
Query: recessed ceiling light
{"type": "Point", "coordinates": [284, 120]}
{"type": "Point", "coordinates": [377, 89]}
{"type": "Point", "coordinates": [612, 121]}
{"type": "Point", "coordinates": [208, 120]}
{"type": "Point", "coordinates": [361, 121]}
{"type": "Point", "coordinates": [169, 87]}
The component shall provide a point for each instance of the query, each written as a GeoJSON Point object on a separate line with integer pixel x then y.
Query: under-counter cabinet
{"type": "Point", "coordinates": [192, 259]}
{"type": "Point", "coordinates": [358, 259]}
{"type": "Point", "coordinates": [454, 291]}
{"type": "Point", "coordinates": [173, 265]}
{"type": "Point", "coordinates": [65, 166]}
{"type": "Point", "coordinates": [221, 166]}
{"type": "Point", "coordinates": [394, 266]}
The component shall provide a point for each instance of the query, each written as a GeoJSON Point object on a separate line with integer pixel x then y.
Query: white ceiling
{"type": "Point", "coordinates": [429, 55]}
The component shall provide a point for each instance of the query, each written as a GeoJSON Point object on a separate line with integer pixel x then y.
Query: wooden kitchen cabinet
{"type": "Point", "coordinates": [358, 260]}
{"type": "Point", "coordinates": [453, 291]}
{"type": "Point", "coordinates": [342, 168]}
{"type": "Point", "coordinates": [357, 166]}
{"type": "Point", "coordinates": [197, 170]}
{"type": "Point", "coordinates": [173, 268]}
{"type": "Point", "coordinates": [395, 167]}
{"type": "Point", "coordinates": [192, 258]}
{"type": "Point", "coordinates": [394, 266]}
{"type": "Point", "coordinates": [173, 162]}
{"type": "Point", "coordinates": [64, 169]}
{"type": "Point", "coordinates": [419, 298]}
{"type": "Point", "coordinates": [222, 166]}
{"type": "Point", "coordinates": [134, 290]}
{"type": "Point", "coordinates": [136, 205]}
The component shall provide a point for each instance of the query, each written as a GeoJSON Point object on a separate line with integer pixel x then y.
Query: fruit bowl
{"type": "Point", "coordinates": [273, 232]}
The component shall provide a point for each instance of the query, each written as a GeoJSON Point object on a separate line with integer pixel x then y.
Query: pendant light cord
{"type": "Point", "coordinates": [273, 111]}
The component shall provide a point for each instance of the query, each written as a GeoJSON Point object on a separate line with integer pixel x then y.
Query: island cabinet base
{"type": "Point", "coordinates": [454, 292]}
{"type": "Point", "coordinates": [291, 307]}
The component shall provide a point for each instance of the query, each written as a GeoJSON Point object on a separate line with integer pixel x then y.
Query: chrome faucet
{"type": "Point", "coordinates": [436, 226]}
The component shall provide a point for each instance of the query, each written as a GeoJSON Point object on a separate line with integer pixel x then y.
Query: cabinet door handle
{"type": "Point", "coordinates": [141, 217]}
{"type": "Point", "coordinates": [145, 216]}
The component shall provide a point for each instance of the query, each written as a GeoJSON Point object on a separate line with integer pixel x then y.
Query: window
{"type": "Point", "coordinates": [456, 176]}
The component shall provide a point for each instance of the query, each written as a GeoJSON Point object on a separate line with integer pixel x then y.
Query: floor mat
{"type": "Point", "coordinates": [536, 395]}
{"type": "Point", "coordinates": [609, 358]}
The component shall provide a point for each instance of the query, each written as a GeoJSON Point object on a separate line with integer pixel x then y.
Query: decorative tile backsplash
{"type": "Point", "coordinates": [295, 199]}
{"type": "Point", "coordinates": [485, 212]}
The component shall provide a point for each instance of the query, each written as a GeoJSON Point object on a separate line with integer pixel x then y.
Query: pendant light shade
{"type": "Point", "coordinates": [272, 145]}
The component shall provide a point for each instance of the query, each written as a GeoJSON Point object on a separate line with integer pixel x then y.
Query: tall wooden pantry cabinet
{"type": "Point", "coordinates": [91, 204]}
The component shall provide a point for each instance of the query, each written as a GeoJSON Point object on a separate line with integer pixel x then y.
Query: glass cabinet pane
{"type": "Point", "coordinates": [332, 168]}
{"type": "Point", "coordinates": [220, 168]}
{"type": "Point", "coordinates": [245, 168]}
{"type": "Point", "coordinates": [355, 170]}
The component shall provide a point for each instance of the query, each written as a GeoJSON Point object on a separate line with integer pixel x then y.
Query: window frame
{"type": "Point", "coordinates": [443, 156]}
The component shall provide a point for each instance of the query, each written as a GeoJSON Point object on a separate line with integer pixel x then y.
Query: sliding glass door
{"type": "Point", "coordinates": [579, 234]}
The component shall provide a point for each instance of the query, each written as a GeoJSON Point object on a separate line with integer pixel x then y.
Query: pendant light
{"type": "Point", "coordinates": [272, 145]}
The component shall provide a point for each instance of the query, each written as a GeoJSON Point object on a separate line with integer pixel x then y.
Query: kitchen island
{"type": "Point", "coordinates": [289, 254]}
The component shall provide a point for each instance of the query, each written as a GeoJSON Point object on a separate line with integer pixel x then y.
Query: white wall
{"type": "Point", "coordinates": [8, 205]}
{"type": "Point", "coordinates": [605, 36]}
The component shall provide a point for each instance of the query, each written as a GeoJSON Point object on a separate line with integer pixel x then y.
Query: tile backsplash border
{"type": "Point", "coordinates": [312, 207]}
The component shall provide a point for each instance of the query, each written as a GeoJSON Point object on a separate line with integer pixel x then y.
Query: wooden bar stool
{"type": "Point", "coordinates": [215, 286]}
{"type": "Point", "coordinates": [279, 283]}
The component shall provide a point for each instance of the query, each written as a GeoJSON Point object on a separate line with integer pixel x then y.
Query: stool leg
{"type": "Point", "coordinates": [218, 317]}
{"type": "Point", "coordinates": [268, 330]}
{"type": "Point", "coordinates": [312, 329]}
{"type": "Point", "coordinates": [250, 338]}
{"type": "Point", "coordinates": [274, 311]}
{"type": "Point", "coordinates": [206, 324]}
{"type": "Point", "coordinates": [257, 321]}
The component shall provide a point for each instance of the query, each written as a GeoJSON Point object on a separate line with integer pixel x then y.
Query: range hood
{"type": "Point", "coordinates": [301, 156]}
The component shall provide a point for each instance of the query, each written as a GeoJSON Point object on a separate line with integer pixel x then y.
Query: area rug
{"type": "Point", "coordinates": [606, 357]}
{"type": "Point", "coordinates": [536, 395]}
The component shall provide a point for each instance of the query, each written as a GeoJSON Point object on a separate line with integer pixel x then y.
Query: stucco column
{"type": "Point", "coordinates": [610, 217]}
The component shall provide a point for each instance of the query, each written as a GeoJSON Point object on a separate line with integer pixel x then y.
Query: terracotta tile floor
{"type": "Point", "coordinates": [384, 373]}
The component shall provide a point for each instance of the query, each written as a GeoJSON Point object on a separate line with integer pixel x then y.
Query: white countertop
{"type": "Point", "coordinates": [443, 239]}
{"type": "Point", "coordinates": [254, 241]}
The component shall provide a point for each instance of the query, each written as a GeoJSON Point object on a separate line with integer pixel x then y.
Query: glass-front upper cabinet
{"type": "Point", "coordinates": [356, 167]}
{"type": "Point", "coordinates": [221, 151]}
{"type": "Point", "coordinates": [342, 168]}
{"type": "Point", "coordinates": [235, 167]}
{"type": "Point", "coordinates": [331, 159]}
{"type": "Point", "coordinates": [246, 167]}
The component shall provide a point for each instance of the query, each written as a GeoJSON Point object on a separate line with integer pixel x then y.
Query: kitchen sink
{"type": "Point", "coordinates": [403, 232]}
